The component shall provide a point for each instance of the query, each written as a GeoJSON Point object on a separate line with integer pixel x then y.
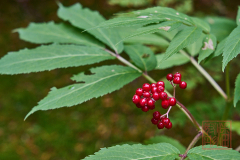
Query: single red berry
{"type": "Point", "coordinates": [145, 108]}
{"type": "Point", "coordinates": [143, 102]}
{"type": "Point", "coordinates": [139, 91]}
{"type": "Point", "coordinates": [160, 83]}
{"type": "Point", "coordinates": [163, 95]}
{"type": "Point", "coordinates": [146, 94]}
{"type": "Point", "coordinates": [183, 85]}
{"type": "Point", "coordinates": [138, 105]}
{"type": "Point", "coordinates": [150, 103]}
{"type": "Point", "coordinates": [136, 99]}
{"type": "Point", "coordinates": [160, 125]}
{"type": "Point", "coordinates": [170, 77]}
{"type": "Point", "coordinates": [160, 89]}
{"type": "Point", "coordinates": [176, 80]}
{"type": "Point", "coordinates": [177, 75]}
{"type": "Point", "coordinates": [154, 121]}
{"type": "Point", "coordinates": [165, 121]}
{"type": "Point", "coordinates": [151, 107]}
{"type": "Point", "coordinates": [154, 89]}
{"type": "Point", "coordinates": [156, 115]}
{"type": "Point", "coordinates": [155, 96]}
{"type": "Point", "coordinates": [169, 125]}
{"type": "Point", "coordinates": [146, 87]}
{"type": "Point", "coordinates": [172, 101]}
{"type": "Point", "coordinates": [153, 85]}
{"type": "Point", "coordinates": [165, 104]}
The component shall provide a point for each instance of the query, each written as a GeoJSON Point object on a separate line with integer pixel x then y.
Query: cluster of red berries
{"type": "Point", "coordinates": [176, 78]}
{"type": "Point", "coordinates": [161, 122]}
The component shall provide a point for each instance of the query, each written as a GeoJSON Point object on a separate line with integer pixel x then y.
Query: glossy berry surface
{"type": "Point", "coordinates": [169, 125]}
{"type": "Point", "coordinates": [160, 89]}
{"type": "Point", "coordinates": [170, 77]}
{"type": "Point", "coordinates": [139, 91]}
{"type": "Point", "coordinates": [172, 101]}
{"type": "Point", "coordinates": [160, 125]}
{"type": "Point", "coordinates": [151, 107]}
{"type": "Point", "coordinates": [150, 103]}
{"type": "Point", "coordinates": [160, 83]}
{"type": "Point", "coordinates": [146, 87]}
{"type": "Point", "coordinates": [154, 121]}
{"type": "Point", "coordinates": [183, 85]}
{"type": "Point", "coordinates": [146, 94]}
{"type": "Point", "coordinates": [163, 95]}
{"type": "Point", "coordinates": [177, 75]}
{"type": "Point", "coordinates": [165, 104]}
{"type": "Point", "coordinates": [176, 80]}
{"type": "Point", "coordinates": [165, 121]}
{"type": "Point", "coordinates": [143, 102]}
{"type": "Point", "coordinates": [136, 99]}
{"type": "Point", "coordinates": [153, 85]}
{"type": "Point", "coordinates": [154, 89]}
{"type": "Point", "coordinates": [156, 115]}
{"type": "Point", "coordinates": [145, 108]}
{"type": "Point", "coordinates": [155, 96]}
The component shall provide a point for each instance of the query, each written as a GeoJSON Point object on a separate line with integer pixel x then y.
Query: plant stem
{"type": "Point", "coordinates": [238, 148]}
{"type": "Point", "coordinates": [206, 75]}
{"type": "Point", "coordinates": [194, 141]}
{"type": "Point", "coordinates": [228, 103]}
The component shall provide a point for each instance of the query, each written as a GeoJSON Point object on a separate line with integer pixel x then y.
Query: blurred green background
{"type": "Point", "coordinates": [75, 132]}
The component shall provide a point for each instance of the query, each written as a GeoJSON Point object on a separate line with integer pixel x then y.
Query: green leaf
{"type": "Point", "coordinates": [199, 153]}
{"type": "Point", "coordinates": [235, 126]}
{"type": "Point", "coordinates": [232, 47]}
{"type": "Point", "coordinates": [238, 16]}
{"type": "Point", "coordinates": [220, 48]}
{"type": "Point", "coordinates": [56, 33]}
{"type": "Point", "coordinates": [150, 39]}
{"type": "Point", "coordinates": [166, 26]}
{"type": "Point", "coordinates": [137, 151]}
{"type": "Point", "coordinates": [185, 37]}
{"type": "Point", "coordinates": [165, 139]}
{"type": "Point", "coordinates": [209, 45]}
{"type": "Point", "coordinates": [175, 60]}
{"type": "Point", "coordinates": [85, 19]}
{"type": "Point", "coordinates": [51, 57]}
{"type": "Point", "coordinates": [194, 48]}
{"type": "Point", "coordinates": [221, 27]}
{"type": "Point", "coordinates": [237, 90]}
{"type": "Point", "coordinates": [202, 24]}
{"type": "Point", "coordinates": [142, 56]}
{"type": "Point", "coordinates": [105, 80]}
{"type": "Point", "coordinates": [127, 3]}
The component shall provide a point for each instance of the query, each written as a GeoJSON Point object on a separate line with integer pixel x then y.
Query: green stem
{"type": "Point", "coordinates": [228, 103]}
{"type": "Point", "coordinates": [206, 75]}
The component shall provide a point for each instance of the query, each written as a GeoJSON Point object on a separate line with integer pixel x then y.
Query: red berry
{"type": "Point", "coordinates": [136, 99]}
{"type": "Point", "coordinates": [146, 94]}
{"type": "Point", "coordinates": [155, 96]}
{"type": "Point", "coordinates": [138, 105]}
{"type": "Point", "coordinates": [165, 121]}
{"type": "Point", "coordinates": [169, 125]}
{"type": "Point", "coordinates": [146, 87]}
{"type": "Point", "coordinates": [153, 85]}
{"type": "Point", "coordinates": [172, 101]}
{"type": "Point", "coordinates": [154, 121]}
{"type": "Point", "coordinates": [139, 91]}
{"type": "Point", "coordinates": [154, 89]}
{"type": "Point", "coordinates": [160, 89]}
{"type": "Point", "coordinates": [177, 75]}
{"type": "Point", "coordinates": [163, 95]}
{"type": "Point", "coordinates": [165, 104]}
{"type": "Point", "coordinates": [183, 85]}
{"type": "Point", "coordinates": [156, 115]}
{"type": "Point", "coordinates": [160, 125]}
{"type": "Point", "coordinates": [151, 107]}
{"type": "Point", "coordinates": [145, 108]}
{"type": "Point", "coordinates": [143, 102]}
{"type": "Point", "coordinates": [170, 77]}
{"type": "Point", "coordinates": [150, 103]}
{"type": "Point", "coordinates": [176, 80]}
{"type": "Point", "coordinates": [160, 83]}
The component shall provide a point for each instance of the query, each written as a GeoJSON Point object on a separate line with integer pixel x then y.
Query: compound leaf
{"type": "Point", "coordinates": [220, 48]}
{"type": "Point", "coordinates": [194, 49]}
{"type": "Point", "coordinates": [209, 45]}
{"type": "Point", "coordinates": [105, 80]}
{"type": "Point", "coordinates": [51, 57]}
{"type": "Point", "coordinates": [158, 151]}
{"type": "Point", "coordinates": [56, 33]}
{"type": "Point", "coordinates": [142, 56]}
{"type": "Point", "coordinates": [202, 24]}
{"type": "Point", "coordinates": [182, 39]}
{"type": "Point", "coordinates": [85, 19]}
{"type": "Point", "coordinates": [232, 47]}
{"type": "Point", "coordinates": [205, 154]}
{"type": "Point", "coordinates": [237, 91]}
{"type": "Point", "coordinates": [175, 60]}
